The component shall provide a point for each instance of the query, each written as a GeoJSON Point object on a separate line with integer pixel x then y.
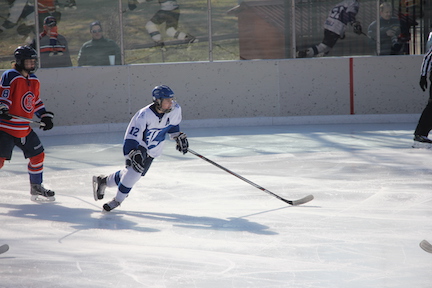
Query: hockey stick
{"type": "Point", "coordinates": [426, 246]}
{"type": "Point", "coordinates": [29, 120]}
{"type": "Point", "coordinates": [291, 202]}
{"type": "Point", "coordinates": [4, 248]}
{"type": "Point", "coordinates": [364, 34]}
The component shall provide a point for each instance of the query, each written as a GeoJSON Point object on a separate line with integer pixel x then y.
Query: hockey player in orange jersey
{"type": "Point", "coordinates": [19, 96]}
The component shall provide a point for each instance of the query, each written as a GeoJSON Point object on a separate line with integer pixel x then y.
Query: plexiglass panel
{"type": "Point", "coordinates": [200, 30]}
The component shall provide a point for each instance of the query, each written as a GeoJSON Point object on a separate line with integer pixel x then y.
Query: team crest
{"type": "Point", "coordinates": [28, 101]}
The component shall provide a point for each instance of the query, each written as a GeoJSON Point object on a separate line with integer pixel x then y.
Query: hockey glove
{"type": "Point", "coordinates": [182, 143]}
{"type": "Point", "coordinates": [132, 4]}
{"type": "Point", "coordinates": [357, 28]}
{"type": "Point", "coordinates": [46, 118]}
{"type": "Point", "coordinates": [137, 162]}
{"type": "Point", "coordinates": [4, 112]}
{"type": "Point", "coordinates": [423, 83]}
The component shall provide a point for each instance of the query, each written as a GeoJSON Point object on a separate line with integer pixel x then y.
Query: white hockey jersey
{"type": "Point", "coordinates": [166, 5]}
{"type": "Point", "coordinates": [149, 129]}
{"type": "Point", "coordinates": [342, 14]}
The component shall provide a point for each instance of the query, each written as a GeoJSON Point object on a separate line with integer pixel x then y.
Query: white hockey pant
{"type": "Point", "coordinates": [124, 179]}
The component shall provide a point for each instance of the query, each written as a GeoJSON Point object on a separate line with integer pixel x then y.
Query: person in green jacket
{"type": "Point", "coordinates": [99, 50]}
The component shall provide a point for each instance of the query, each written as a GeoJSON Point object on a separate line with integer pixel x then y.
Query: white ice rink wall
{"type": "Point", "coordinates": [238, 89]}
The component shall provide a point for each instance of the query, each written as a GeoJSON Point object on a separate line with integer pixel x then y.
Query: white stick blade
{"type": "Point", "coordinates": [426, 246]}
{"type": "Point", "coordinates": [303, 200]}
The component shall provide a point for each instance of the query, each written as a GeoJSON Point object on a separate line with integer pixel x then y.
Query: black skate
{"type": "Point", "coordinates": [40, 193]}
{"type": "Point", "coordinates": [70, 4]}
{"type": "Point", "coordinates": [110, 205]}
{"type": "Point", "coordinates": [301, 54]}
{"type": "Point", "coordinates": [189, 39]}
{"type": "Point", "coordinates": [99, 185]}
{"type": "Point", "coordinates": [421, 141]}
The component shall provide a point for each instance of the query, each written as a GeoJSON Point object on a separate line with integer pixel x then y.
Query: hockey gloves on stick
{"type": "Point", "coordinates": [4, 112]}
{"type": "Point", "coordinates": [357, 28]}
{"type": "Point", "coordinates": [137, 160]}
{"type": "Point", "coordinates": [423, 83]}
{"type": "Point", "coordinates": [182, 142]}
{"type": "Point", "coordinates": [46, 118]}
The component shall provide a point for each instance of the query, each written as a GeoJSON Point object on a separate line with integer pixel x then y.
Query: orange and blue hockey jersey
{"type": "Point", "coordinates": [21, 96]}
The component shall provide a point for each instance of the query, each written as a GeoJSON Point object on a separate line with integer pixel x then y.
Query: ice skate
{"type": "Point", "coordinates": [421, 138]}
{"type": "Point", "coordinates": [301, 54]}
{"type": "Point", "coordinates": [40, 193]}
{"type": "Point", "coordinates": [99, 185]}
{"type": "Point", "coordinates": [70, 4]}
{"type": "Point", "coordinates": [110, 205]}
{"type": "Point", "coordinates": [421, 141]}
{"type": "Point", "coordinates": [189, 39]}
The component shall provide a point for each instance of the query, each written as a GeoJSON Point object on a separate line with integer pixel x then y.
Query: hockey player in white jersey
{"type": "Point", "coordinates": [143, 141]}
{"type": "Point", "coordinates": [340, 16]}
{"type": "Point", "coordinates": [168, 13]}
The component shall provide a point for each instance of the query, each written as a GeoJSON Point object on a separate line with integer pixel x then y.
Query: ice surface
{"type": "Point", "coordinates": [191, 224]}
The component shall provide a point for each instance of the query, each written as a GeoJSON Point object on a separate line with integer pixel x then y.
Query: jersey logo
{"type": "Point", "coordinates": [28, 101]}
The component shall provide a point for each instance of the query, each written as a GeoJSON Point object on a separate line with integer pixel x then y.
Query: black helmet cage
{"type": "Point", "coordinates": [50, 21]}
{"type": "Point", "coordinates": [25, 52]}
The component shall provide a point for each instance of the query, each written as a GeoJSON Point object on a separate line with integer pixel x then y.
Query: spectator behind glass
{"type": "Point", "coordinates": [54, 51]}
{"type": "Point", "coordinates": [389, 32]}
{"type": "Point", "coordinates": [96, 52]}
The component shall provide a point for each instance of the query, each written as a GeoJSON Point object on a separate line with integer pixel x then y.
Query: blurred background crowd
{"type": "Point", "coordinates": [120, 32]}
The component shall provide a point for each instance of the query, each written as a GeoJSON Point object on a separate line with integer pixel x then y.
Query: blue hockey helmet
{"type": "Point", "coordinates": [159, 93]}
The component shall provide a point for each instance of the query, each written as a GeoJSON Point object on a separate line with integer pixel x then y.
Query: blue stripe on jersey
{"type": "Point", "coordinates": [14, 124]}
{"type": "Point", "coordinates": [8, 76]}
{"type": "Point", "coordinates": [129, 145]}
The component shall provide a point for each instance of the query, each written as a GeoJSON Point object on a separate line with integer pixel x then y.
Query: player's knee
{"type": "Point", "coordinates": [151, 27]}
